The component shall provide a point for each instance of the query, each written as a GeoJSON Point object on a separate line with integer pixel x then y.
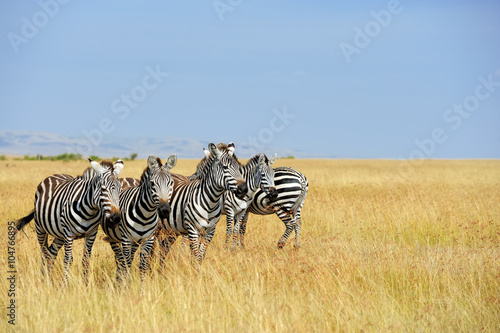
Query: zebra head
{"type": "Point", "coordinates": [107, 177]}
{"type": "Point", "coordinates": [267, 176]}
{"type": "Point", "coordinates": [227, 169]}
{"type": "Point", "coordinates": [158, 179]}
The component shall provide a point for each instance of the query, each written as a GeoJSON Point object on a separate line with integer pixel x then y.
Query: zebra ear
{"type": "Point", "coordinates": [230, 148]}
{"type": "Point", "coordinates": [273, 159]}
{"type": "Point", "coordinates": [214, 150]}
{"type": "Point", "coordinates": [96, 166]}
{"type": "Point", "coordinates": [117, 168]}
{"type": "Point", "coordinates": [206, 152]}
{"type": "Point", "coordinates": [152, 162]}
{"type": "Point", "coordinates": [262, 159]}
{"type": "Point", "coordinates": [171, 161]}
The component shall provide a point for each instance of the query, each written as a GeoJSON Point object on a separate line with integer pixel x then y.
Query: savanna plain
{"type": "Point", "coordinates": [385, 246]}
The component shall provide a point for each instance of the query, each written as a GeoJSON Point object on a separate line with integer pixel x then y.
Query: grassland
{"type": "Point", "coordinates": [384, 248]}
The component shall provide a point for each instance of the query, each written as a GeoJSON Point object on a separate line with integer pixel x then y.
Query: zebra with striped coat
{"type": "Point", "coordinates": [196, 205]}
{"type": "Point", "coordinates": [259, 175]}
{"type": "Point", "coordinates": [142, 207]}
{"type": "Point", "coordinates": [291, 187]}
{"type": "Point", "coordinates": [69, 208]}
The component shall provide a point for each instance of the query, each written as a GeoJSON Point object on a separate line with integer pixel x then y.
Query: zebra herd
{"type": "Point", "coordinates": [162, 205]}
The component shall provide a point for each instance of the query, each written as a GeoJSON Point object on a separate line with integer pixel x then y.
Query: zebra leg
{"type": "Point", "coordinates": [194, 242]}
{"type": "Point", "coordinates": [121, 265]}
{"type": "Point", "coordinates": [236, 233]}
{"type": "Point", "coordinates": [166, 241]}
{"type": "Point", "coordinates": [297, 226]}
{"type": "Point", "coordinates": [229, 225]}
{"type": "Point", "coordinates": [288, 221]}
{"type": "Point", "coordinates": [242, 229]}
{"type": "Point", "coordinates": [204, 242]}
{"type": "Point", "coordinates": [185, 242]}
{"type": "Point", "coordinates": [68, 257]}
{"type": "Point", "coordinates": [127, 249]}
{"type": "Point", "coordinates": [42, 237]}
{"type": "Point", "coordinates": [87, 252]}
{"type": "Point", "coordinates": [51, 253]}
{"type": "Point", "coordinates": [133, 250]}
{"type": "Point", "coordinates": [144, 266]}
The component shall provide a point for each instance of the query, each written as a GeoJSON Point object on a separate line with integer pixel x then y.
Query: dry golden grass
{"type": "Point", "coordinates": [379, 253]}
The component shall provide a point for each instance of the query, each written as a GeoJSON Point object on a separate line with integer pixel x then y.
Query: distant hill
{"type": "Point", "coordinates": [33, 143]}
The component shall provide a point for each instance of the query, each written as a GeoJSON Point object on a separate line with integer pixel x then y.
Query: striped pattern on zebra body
{"type": "Point", "coordinates": [291, 187]}
{"type": "Point", "coordinates": [259, 175]}
{"type": "Point", "coordinates": [141, 207]}
{"type": "Point", "coordinates": [196, 205]}
{"type": "Point", "coordinates": [69, 208]}
{"type": "Point", "coordinates": [129, 182]}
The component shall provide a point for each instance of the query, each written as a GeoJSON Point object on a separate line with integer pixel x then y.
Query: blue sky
{"type": "Point", "coordinates": [367, 79]}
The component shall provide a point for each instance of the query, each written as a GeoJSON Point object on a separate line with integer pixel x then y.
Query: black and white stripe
{"type": "Point", "coordinates": [291, 187]}
{"type": "Point", "coordinates": [69, 208]}
{"type": "Point", "coordinates": [259, 175]}
{"type": "Point", "coordinates": [196, 205]}
{"type": "Point", "coordinates": [141, 208]}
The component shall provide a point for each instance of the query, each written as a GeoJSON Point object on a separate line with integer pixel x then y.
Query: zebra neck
{"type": "Point", "coordinates": [207, 185]}
{"type": "Point", "coordinates": [145, 198]}
{"type": "Point", "coordinates": [92, 194]}
{"type": "Point", "coordinates": [252, 176]}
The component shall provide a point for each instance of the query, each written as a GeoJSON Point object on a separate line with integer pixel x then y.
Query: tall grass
{"type": "Point", "coordinates": [379, 253]}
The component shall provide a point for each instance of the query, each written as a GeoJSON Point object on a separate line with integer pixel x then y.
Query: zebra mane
{"type": "Point", "coordinates": [107, 164]}
{"type": "Point", "coordinates": [255, 160]}
{"type": "Point", "coordinates": [224, 148]}
{"type": "Point", "coordinates": [203, 166]}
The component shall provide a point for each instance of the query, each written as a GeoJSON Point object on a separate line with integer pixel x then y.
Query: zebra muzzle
{"type": "Point", "coordinates": [163, 209]}
{"type": "Point", "coordinates": [273, 194]}
{"type": "Point", "coordinates": [113, 218]}
{"type": "Point", "coordinates": [241, 189]}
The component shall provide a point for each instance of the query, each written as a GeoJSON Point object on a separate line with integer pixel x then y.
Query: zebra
{"type": "Point", "coordinates": [196, 205]}
{"type": "Point", "coordinates": [258, 174]}
{"type": "Point", "coordinates": [292, 187]}
{"type": "Point", "coordinates": [69, 208]}
{"type": "Point", "coordinates": [141, 208]}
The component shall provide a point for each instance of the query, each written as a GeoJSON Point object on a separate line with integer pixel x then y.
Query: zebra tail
{"type": "Point", "coordinates": [25, 220]}
{"type": "Point", "coordinates": [302, 196]}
